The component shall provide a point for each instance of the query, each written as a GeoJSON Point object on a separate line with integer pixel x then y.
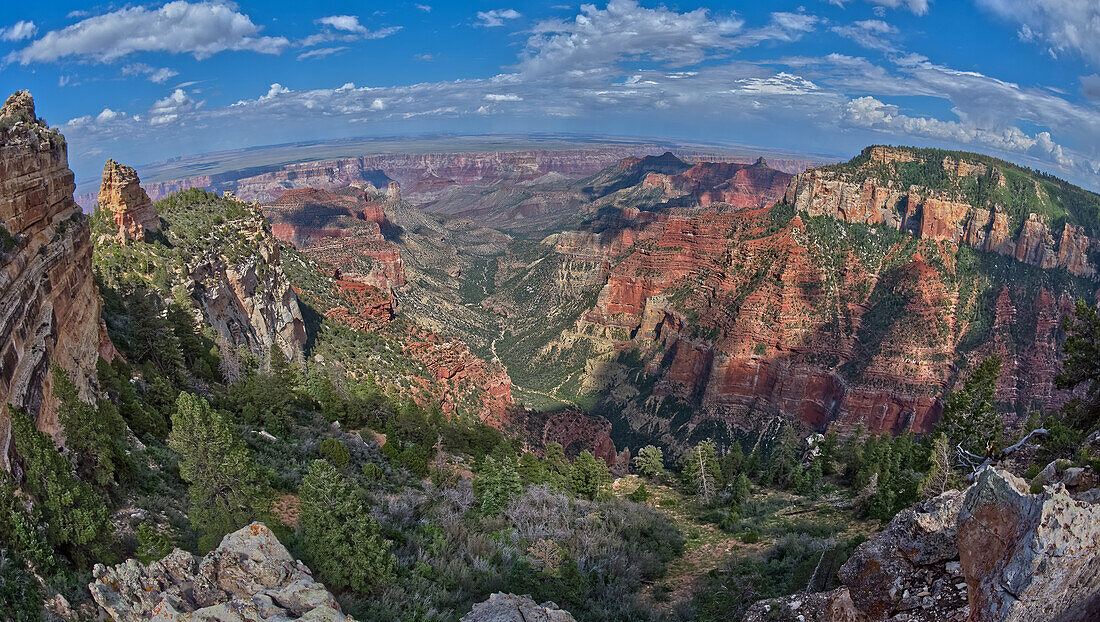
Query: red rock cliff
{"type": "Point", "coordinates": [49, 304]}
{"type": "Point", "coordinates": [130, 207]}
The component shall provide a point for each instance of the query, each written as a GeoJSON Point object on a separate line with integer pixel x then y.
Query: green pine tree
{"type": "Point", "coordinates": [227, 490]}
{"type": "Point", "coordinates": [342, 541]}
{"type": "Point", "coordinates": [650, 461]}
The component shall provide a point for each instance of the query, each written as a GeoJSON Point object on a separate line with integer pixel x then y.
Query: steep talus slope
{"type": "Point", "coordinates": [49, 304]}
{"type": "Point", "coordinates": [991, 552]}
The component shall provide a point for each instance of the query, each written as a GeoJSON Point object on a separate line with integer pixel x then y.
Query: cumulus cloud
{"type": "Point", "coordinates": [497, 97]}
{"type": "Point", "coordinates": [18, 31]}
{"type": "Point", "coordinates": [173, 108]}
{"type": "Point", "coordinates": [868, 112]}
{"type": "Point", "coordinates": [1061, 25]}
{"type": "Point", "coordinates": [598, 38]}
{"type": "Point", "coordinates": [200, 29]}
{"type": "Point", "coordinates": [496, 17]}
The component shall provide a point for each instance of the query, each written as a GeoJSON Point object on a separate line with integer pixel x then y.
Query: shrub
{"type": "Point", "coordinates": [335, 452]}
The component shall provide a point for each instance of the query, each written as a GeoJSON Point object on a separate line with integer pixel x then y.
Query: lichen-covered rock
{"type": "Point", "coordinates": [250, 577]}
{"type": "Point", "coordinates": [1029, 557]}
{"type": "Point", "coordinates": [992, 554]}
{"type": "Point", "coordinates": [503, 607]}
{"type": "Point", "coordinates": [120, 193]}
{"type": "Point", "coordinates": [904, 568]}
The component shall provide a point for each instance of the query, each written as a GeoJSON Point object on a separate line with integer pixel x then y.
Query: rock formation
{"type": "Point", "coordinates": [248, 299]}
{"type": "Point", "coordinates": [501, 607]}
{"type": "Point", "coordinates": [859, 195]}
{"type": "Point", "coordinates": [249, 577]}
{"type": "Point", "coordinates": [991, 553]}
{"type": "Point", "coordinates": [343, 230]}
{"type": "Point", "coordinates": [130, 207]}
{"type": "Point", "coordinates": [49, 304]}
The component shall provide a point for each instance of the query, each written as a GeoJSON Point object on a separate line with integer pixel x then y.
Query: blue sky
{"type": "Point", "coordinates": [146, 82]}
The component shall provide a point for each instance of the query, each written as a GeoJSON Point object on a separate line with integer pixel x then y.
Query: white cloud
{"type": "Point", "coordinates": [153, 74]}
{"type": "Point", "coordinates": [173, 108]}
{"type": "Point", "coordinates": [274, 91]}
{"type": "Point", "coordinates": [497, 97]}
{"type": "Point", "coordinates": [496, 17]}
{"type": "Point", "coordinates": [868, 112]}
{"type": "Point", "coordinates": [321, 52]}
{"type": "Point", "coordinates": [162, 75]}
{"type": "Point", "coordinates": [1062, 25]}
{"type": "Point", "coordinates": [918, 7]}
{"type": "Point", "coordinates": [869, 33]}
{"type": "Point", "coordinates": [18, 31]}
{"type": "Point", "coordinates": [598, 38]}
{"type": "Point", "coordinates": [200, 29]}
{"type": "Point", "coordinates": [424, 7]}
{"type": "Point", "coordinates": [779, 84]}
{"type": "Point", "coordinates": [348, 23]}
{"type": "Point", "coordinates": [344, 28]}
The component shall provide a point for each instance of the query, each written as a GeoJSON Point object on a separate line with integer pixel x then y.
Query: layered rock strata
{"type": "Point", "coordinates": [49, 304]}
{"type": "Point", "coordinates": [937, 215]}
{"type": "Point", "coordinates": [122, 196]}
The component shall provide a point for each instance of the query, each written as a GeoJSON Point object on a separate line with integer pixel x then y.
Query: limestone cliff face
{"type": "Point", "coordinates": [49, 304]}
{"type": "Point", "coordinates": [130, 207]}
{"type": "Point", "coordinates": [248, 299]}
{"type": "Point", "coordinates": [859, 196]}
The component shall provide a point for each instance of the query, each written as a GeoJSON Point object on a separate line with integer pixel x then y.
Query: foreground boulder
{"type": "Point", "coordinates": [250, 577]}
{"type": "Point", "coordinates": [1029, 557]}
{"type": "Point", "coordinates": [994, 553]}
{"type": "Point", "coordinates": [503, 607]}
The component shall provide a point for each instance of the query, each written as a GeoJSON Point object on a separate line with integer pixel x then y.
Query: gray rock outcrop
{"type": "Point", "coordinates": [994, 553]}
{"type": "Point", "coordinates": [249, 577]}
{"type": "Point", "coordinates": [501, 607]}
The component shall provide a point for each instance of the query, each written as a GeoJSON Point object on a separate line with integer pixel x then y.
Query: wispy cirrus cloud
{"type": "Point", "coordinates": [344, 28]}
{"type": "Point", "coordinates": [1059, 25]}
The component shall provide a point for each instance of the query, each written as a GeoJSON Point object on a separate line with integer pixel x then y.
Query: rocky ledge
{"type": "Point", "coordinates": [992, 553]}
{"type": "Point", "coordinates": [250, 577]}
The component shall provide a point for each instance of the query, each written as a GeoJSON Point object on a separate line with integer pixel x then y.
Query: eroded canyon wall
{"type": "Point", "coordinates": [49, 304]}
